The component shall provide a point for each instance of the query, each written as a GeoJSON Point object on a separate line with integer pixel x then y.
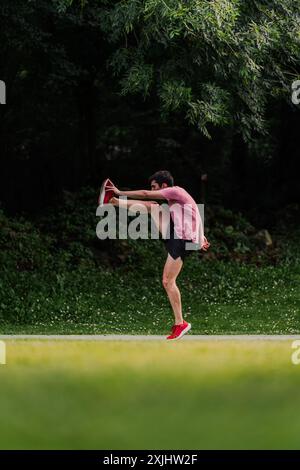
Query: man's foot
{"type": "Point", "coordinates": [179, 330]}
{"type": "Point", "coordinates": [105, 194]}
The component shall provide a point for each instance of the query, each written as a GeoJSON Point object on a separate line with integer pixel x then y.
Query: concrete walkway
{"type": "Point", "coordinates": [149, 337]}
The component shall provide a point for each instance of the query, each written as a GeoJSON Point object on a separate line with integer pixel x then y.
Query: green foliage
{"type": "Point", "coordinates": [56, 276]}
{"type": "Point", "coordinates": [22, 246]}
{"type": "Point", "coordinates": [174, 95]}
{"type": "Point", "coordinates": [62, 5]}
{"type": "Point", "coordinates": [104, 83]}
{"type": "Point", "coordinates": [229, 57]}
{"type": "Point", "coordinates": [138, 79]}
{"type": "Point", "coordinates": [214, 108]}
{"type": "Point", "coordinates": [204, 64]}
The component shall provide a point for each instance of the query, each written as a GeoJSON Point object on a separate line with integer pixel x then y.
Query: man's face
{"type": "Point", "coordinates": [155, 186]}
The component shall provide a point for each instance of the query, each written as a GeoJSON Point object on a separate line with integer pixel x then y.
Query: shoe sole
{"type": "Point", "coordinates": [102, 192]}
{"type": "Point", "coordinates": [189, 326]}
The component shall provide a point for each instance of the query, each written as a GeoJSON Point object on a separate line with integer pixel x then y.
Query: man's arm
{"type": "Point", "coordinates": [141, 194]}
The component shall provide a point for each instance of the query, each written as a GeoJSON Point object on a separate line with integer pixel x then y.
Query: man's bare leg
{"type": "Point", "coordinates": [172, 267]}
{"type": "Point", "coordinates": [143, 206]}
{"type": "Point", "coordinates": [171, 270]}
{"type": "Point", "coordinates": [160, 216]}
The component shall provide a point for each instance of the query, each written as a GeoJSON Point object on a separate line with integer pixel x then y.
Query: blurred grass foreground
{"type": "Point", "coordinates": [149, 395]}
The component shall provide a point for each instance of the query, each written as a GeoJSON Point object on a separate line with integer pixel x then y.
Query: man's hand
{"type": "Point", "coordinates": [113, 188]}
{"type": "Point", "coordinates": [206, 244]}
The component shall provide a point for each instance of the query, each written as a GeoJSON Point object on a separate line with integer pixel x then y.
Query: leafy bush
{"type": "Point", "coordinates": [57, 276]}
{"type": "Point", "coordinates": [22, 246]}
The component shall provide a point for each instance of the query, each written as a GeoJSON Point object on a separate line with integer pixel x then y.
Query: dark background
{"type": "Point", "coordinates": [67, 124]}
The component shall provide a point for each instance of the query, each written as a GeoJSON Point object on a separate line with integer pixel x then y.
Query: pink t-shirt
{"type": "Point", "coordinates": [185, 214]}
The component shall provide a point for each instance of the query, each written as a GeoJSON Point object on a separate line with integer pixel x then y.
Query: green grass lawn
{"type": "Point", "coordinates": [217, 297]}
{"type": "Point", "coordinates": [149, 395]}
{"type": "Point", "coordinates": [60, 279]}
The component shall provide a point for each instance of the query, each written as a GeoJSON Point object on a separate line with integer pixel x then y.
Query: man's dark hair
{"type": "Point", "coordinates": [161, 177]}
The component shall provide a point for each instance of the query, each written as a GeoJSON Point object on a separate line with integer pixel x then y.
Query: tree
{"type": "Point", "coordinates": [221, 62]}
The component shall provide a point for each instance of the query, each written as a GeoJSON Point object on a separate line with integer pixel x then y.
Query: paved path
{"type": "Point", "coordinates": [151, 337]}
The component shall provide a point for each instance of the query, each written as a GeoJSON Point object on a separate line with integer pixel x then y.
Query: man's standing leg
{"type": "Point", "coordinates": [171, 270]}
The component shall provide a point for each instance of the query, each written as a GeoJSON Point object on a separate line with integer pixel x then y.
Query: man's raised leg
{"type": "Point", "coordinates": [159, 215]}
{"type": "Point", "coordinates": [143, 206]}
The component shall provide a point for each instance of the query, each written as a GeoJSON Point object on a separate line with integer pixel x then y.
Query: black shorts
{"type": "Point", "coordinates": [176, 247]}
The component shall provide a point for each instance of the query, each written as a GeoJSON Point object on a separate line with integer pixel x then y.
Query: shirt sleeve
{"type": "Point", "coordinates": [169, 193]}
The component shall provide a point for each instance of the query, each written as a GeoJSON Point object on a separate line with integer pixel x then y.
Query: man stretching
{"type": "Point", "coordinates": [185, 227]}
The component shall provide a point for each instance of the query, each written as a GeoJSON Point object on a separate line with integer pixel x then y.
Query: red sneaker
{"type": "Point", "coordinates": [179, 330]}
{"type": "Point", "coordinates": [105, 194]}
